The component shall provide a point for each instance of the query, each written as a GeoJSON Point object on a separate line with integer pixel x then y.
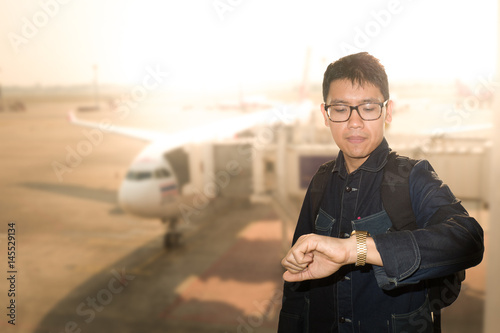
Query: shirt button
{"type": "Point", "coordinates": [341, 320]}
{"type": "Point", "coordinates": [346, 235]}
{"type": "Point", "coordinates": [348, 189]}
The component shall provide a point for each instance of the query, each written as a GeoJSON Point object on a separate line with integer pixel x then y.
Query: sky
{"type": "Point", "coordinates": [222, 44]}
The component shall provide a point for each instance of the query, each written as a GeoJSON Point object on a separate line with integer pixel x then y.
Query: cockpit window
{"type": "Point", "coordinates": [139, 175]}
{"type": "Point", "coordinates": [162, 173]}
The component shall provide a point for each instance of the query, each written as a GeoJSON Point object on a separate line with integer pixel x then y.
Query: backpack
{"type": "Point", "coordinates": [395, 193]}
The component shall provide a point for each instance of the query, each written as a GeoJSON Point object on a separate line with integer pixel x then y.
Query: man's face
{"type": "Point", "coordinates": [357, 138]}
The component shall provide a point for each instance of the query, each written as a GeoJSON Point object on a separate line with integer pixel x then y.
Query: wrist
{"type": "Point", "coordinates": [352, 250]}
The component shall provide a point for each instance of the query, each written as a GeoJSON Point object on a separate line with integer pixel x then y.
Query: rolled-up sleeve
{"type": "Point", "coordinates": [401, 257]}
{"type": "Point", "coordinates": [447, 239]}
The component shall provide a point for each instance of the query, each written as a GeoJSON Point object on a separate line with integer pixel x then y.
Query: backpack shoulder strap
{"type": "Point", "coordinates": [395, 192]}
{"type": "Point", "coordinates": [318, 184]}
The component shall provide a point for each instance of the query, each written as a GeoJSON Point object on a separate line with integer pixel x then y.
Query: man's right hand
{"type": "Point", "coordinates": [314, 257]}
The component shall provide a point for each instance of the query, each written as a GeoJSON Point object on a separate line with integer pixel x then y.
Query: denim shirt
{"type": "Point", "coordinates": [392, 298]}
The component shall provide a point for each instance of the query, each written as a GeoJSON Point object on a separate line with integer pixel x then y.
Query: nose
{"type": "Point", "coordinates": [355, 120]}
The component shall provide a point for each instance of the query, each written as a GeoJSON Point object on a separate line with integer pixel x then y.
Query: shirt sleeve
{"type": "Point", "coordinates": [447, 239]}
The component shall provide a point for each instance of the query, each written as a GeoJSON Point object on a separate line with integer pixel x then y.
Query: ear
{"type": "Point", "coordinates": [388, 112]}
{"type": "Point", "coordinates": [325, 116]}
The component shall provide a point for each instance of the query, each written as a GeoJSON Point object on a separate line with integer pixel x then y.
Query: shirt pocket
{"type": "Point", "coordinates": [418, 321]}
{"type": "Point", "coordinates": [324, 223]}
{"type": "Point", "coordinates": [375, 224]}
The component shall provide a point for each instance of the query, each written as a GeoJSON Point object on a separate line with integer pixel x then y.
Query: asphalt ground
{"type": "Point", "coordinates": [82, 265]}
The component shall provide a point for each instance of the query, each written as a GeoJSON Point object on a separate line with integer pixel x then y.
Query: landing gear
{"type": "Point", "coordinates": [172, 238]}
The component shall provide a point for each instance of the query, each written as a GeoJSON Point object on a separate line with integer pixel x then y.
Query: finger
{"type": "Point", "coordinates": [292, 266]}
{"type": "Point", "coordinates": [287, 276]}
{"type": "Point", "coordinates": [296, 277]}
{"type": "Point", "coordinates": [298, 264]}
{"type": "Point", "coordinates": [301, 258]}
{"type": "Point", "coordinates": [295, 268]}
{"type": "Point", "coordinates": [296, 258]}
{"type": "Point", "coordinates": [309, 257]}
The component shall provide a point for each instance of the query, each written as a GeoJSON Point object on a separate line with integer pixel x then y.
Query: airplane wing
{"type": "Point", "coordinates": [107, 127]}
{"type": "Point", "coordinates": [218, 130]}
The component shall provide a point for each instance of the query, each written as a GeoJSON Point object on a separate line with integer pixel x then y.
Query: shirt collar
{"type": "Point", "coordinates": [375, 162]}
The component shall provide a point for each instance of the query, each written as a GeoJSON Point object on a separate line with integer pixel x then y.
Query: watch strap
{"type": "Point", "coordinates": [361, 247]}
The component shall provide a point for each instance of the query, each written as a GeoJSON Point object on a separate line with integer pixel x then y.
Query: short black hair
{"type": "Point", "coordinates": [359, 68]}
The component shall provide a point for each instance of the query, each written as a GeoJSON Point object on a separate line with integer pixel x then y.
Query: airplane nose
{"type": "Point", "coordinates": [138, 198]}
{"type": "Point", "coordinates": [125, 199]}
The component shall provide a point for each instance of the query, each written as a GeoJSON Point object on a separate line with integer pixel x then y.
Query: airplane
{"type": "Point", "coordinates": [157, 182]}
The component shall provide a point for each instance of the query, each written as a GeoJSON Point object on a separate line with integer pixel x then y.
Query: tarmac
{"type": "Point", "coordinates": [82, 265]}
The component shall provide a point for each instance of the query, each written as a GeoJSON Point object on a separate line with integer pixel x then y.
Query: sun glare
{"type": "Point", "coordinates": [245, 43]}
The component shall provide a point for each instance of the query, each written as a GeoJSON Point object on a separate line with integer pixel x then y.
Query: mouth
{"type": "Point", "coordinates": [355, 139]}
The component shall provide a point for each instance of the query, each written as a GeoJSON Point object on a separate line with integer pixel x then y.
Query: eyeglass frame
{"type": "Point", "coordinates": [357, 110]}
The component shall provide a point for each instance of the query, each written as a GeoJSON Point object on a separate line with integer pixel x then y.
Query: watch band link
{"type": "Point", "coordinates": [361, 247]}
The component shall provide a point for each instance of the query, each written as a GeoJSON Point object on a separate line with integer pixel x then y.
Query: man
{"type": "Point", "coordinates": [374, 281]}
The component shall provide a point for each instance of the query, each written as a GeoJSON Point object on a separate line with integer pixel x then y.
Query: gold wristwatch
{"type": "Point", "coordinates": [361, 248]}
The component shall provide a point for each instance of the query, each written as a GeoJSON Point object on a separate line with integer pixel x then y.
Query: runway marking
{"type": "Point", "coordinates": [140, 269]}
{"type": "Point", "coordinates": [186, 283]}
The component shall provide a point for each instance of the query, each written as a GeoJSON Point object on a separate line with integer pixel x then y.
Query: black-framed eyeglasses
{"type": "Point", "coordinates": [339, 113]}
